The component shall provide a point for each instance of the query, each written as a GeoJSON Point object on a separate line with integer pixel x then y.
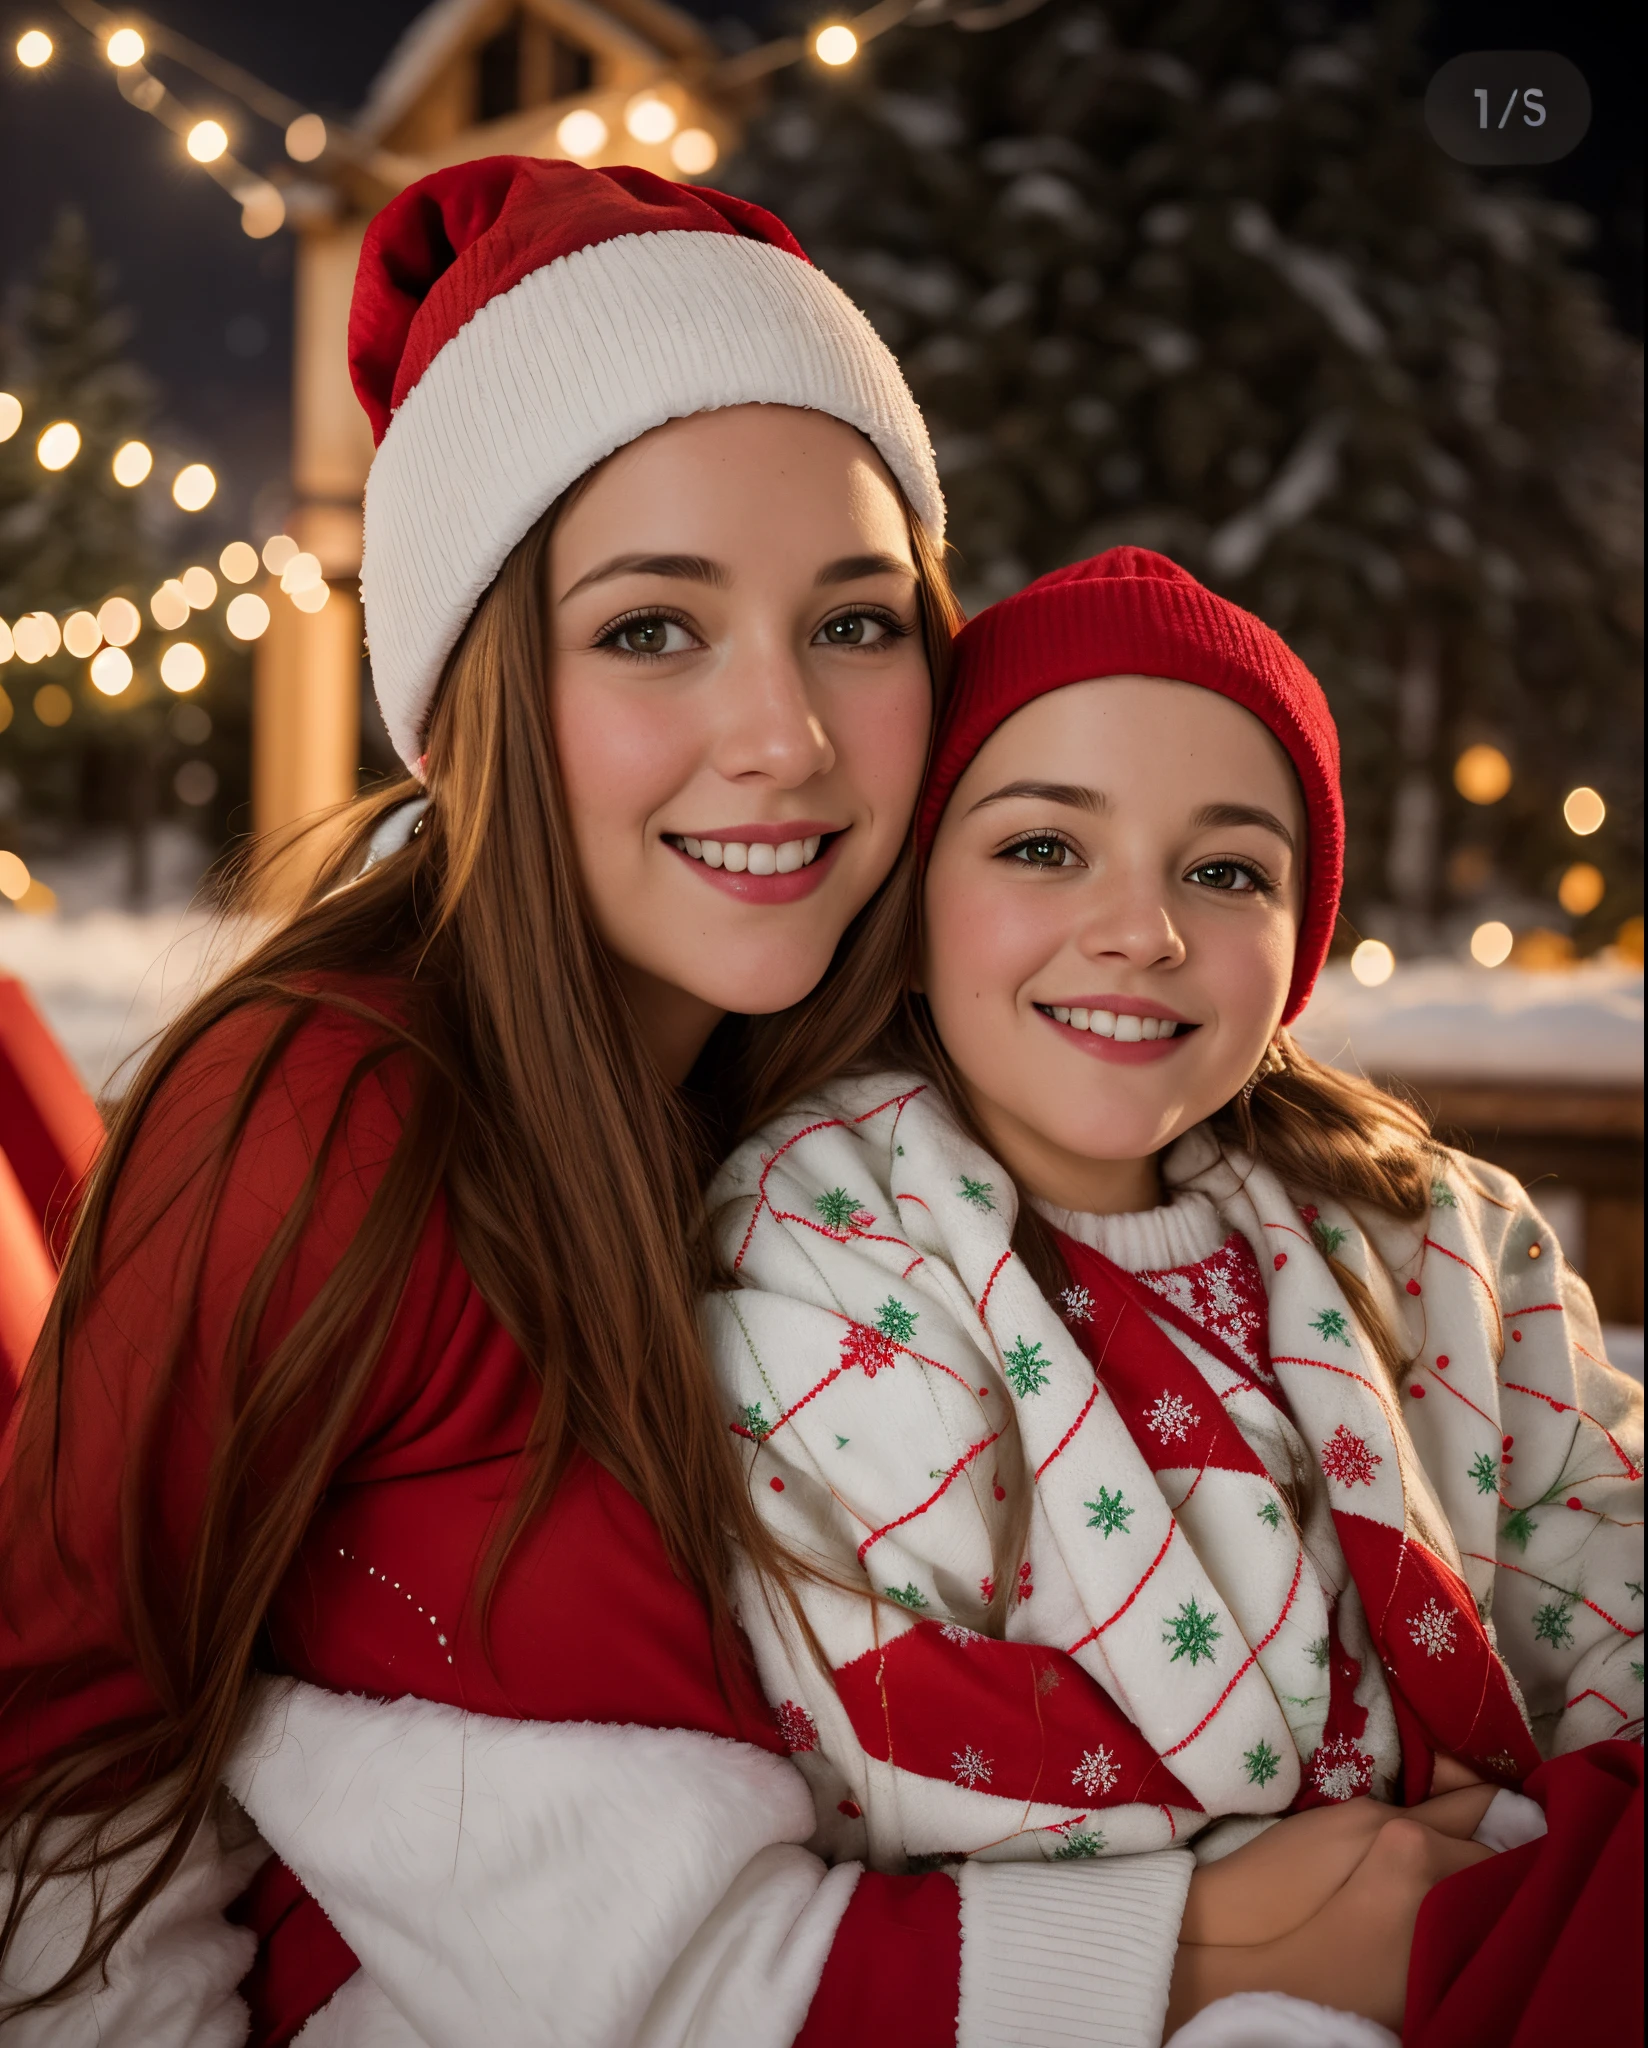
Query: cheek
{"type": "Point", "coordinates": [879, 734]}
{"type": "Point", "coordinates": [1248, 972]}
{"type": "Point", "coordinates": [983, 942]}
{"type": "Point", "coordinates": [622, 753]}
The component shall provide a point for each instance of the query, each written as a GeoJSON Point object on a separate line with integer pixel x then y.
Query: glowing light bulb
{"type": "Point", "coordinates": [206, 141]}
{"type": "Point", "coordinates": [835, 45]}
{"type": "Point", "coordinates": [194, 488]}
{"type": "Point", "coordinates": [1583, 810]}
{"type": "Point", "coordinates": [34, 48]}
{"type": "Point", "coordinates": [302, 572]}
{"type": "Point", "coordinates": [1581, 889]}
{"type": "Point", "coordinates": [169, 607]}
{"type": "Point", "coordinates": [694, 151]}
{"type": "Point", "coordinates": [132, 463]}
{"type": "Point", "coordinates": [581, 133]}
{"type": "Point", "coordinates": [306, 138]}
{"type": "Point", "coordinates": [247, 616]}
{"type": "Point", "coordinates": [14, 876]}
{"type": "Point", "coordinates": [11, 415]}
{"type": "Point", "coordinates": [1373, 963]}
{"type": "Point", "coordinates": [53, 705]}
{"type": "Point", "coordinates": [262, 209]}
{"type": "Point", "coordinates": [278, 550]}
{"type": "Point", "coordinates": [82, 635]}
{"type": "Point", "coordinates": [120, 620]}
{"type": "Point", "coordinates": [125, 47]}
{"type": "Point", "coordinates": [1491, 944]}
{"type": "Point", "coordinates": [58, 445]}
{"type": "Point", "coordinates": [1482, 775]}
{"type": "Point", "coordinates": [111, 672]}
{"type": "Point", "coordinates": [37, 636]}
{"type": "Point", "coordinates": [312, 597]}
{"type": "Point", "coordinates": [182, 666]}
{"type": "Point", "coordinates": [238, 562]}
{"type": "Point", "coordinates": [650, 119]}
{"type": "Point", "coordinates": [199, 587]}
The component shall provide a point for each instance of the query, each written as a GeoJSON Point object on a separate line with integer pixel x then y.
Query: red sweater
{"type": "Point", "coordinates": [589, 1622]}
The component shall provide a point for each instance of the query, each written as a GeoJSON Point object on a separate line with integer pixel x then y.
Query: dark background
{"type": "Point", "coordinates": [212, 309]}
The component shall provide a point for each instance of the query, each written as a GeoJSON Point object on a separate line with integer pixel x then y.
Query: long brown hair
{"type": "Point", "coordinates": [571, 1173]}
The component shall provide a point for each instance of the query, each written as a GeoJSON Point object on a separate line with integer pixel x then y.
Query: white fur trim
{"type": "Point", "coordinates": [579, 359]}
{"type": "Point", "coordinates": [1270, 2019]}
{"type": "Point", "coordinates": [1512, 1819]}
{"type": "Point", "coordinates": [548, 1885]}
{"type": "Point", "coordinates": [357, 2015]}
{"type": "Point", "coordinates": [1078, 1953]}
{"type": "Point", "coordinates": [172, 1977]}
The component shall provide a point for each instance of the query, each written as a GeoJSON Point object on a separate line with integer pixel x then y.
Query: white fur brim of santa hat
{"type": "Point", "coordinates": [518, 320]}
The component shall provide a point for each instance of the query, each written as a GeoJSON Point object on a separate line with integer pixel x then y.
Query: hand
{"type": "Point", "coordinates": [1278, 1881]}
{"type": "Point", "coordinates": [1448, 1773]}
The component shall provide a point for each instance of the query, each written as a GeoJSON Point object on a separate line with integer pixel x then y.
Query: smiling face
{"type": "Point", "coordinates": [740, 703]}
{"type": "Point", "coordinates": [1110, 914]}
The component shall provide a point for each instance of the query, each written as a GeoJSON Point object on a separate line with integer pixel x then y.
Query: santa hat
{"type": "Point", "coordinates": [1129, 612]}
{"type": "Point", "coordinates": [517, 320]}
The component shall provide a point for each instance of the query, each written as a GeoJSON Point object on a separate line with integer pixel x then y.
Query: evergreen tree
{"type": "Point", "coordinates": [1194, 276]}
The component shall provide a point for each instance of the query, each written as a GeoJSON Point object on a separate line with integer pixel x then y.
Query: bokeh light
{"type": "Point", "coordinates": [1482, 775]}
{"type": "Point", "coordinates": [182, 666]}
{"type": "Point", "coordinates": [247, 616]}
{"type": "Point", "coordinates": [34, 48]}
{"type": "Point", "coordinates": [312, 597]}
{"type": "Point", "coordinates": [650, 119]}
{"type": "Point", "coordinates": [82, 635]}
{"type": "Point", "coordinates": [581, 133]}
{"type": "Point", "coordinates": [14, 876]}
{"type": "Point", "coordinates": [199, 587]}
{"type": "Point", "coordinates": [1491, 944]}
{"type": "Point", "coordinates": [694, 151]}
{"type": "Point", "coordinates": [37, 636]}
{"type": "Point", "coordinates": [169, 606]}
{"type": "Point", "coordinates": [206, 141]}
{"type": "Point", "coordinates": [278, 550]}
{"type": "Point", "coordinates": [194, 487]}
{"type": "Point", "coordinates": [120, 620]}
{"type": "Point", "coordinates": [835, 45]}
{"type": "Point", "coordinates": [11, 414]}
{"type": "Point", "coordinates": [262, 209]}
{"type": "Point", "coordinates": [1581, 889]}
{"type": "Point", "coordinates": [111, 671]}
{"type": "Point", "coordinates": [195, 782]}
{"type": "Point", "coordinates": [302, 572]}
{"type": "Point", "coordinates": [191, 724]}
{"type": "Point", "coordinates": [1583, 811]}
{"type": "Point", "coordinates": [58, 445]}
{"type": "Point", "coordinates": [124, 47]}
{"type": "Point", "coordinates": [53, 705]}
{"type": "Point", "coordinates": [1373, 963]}
{"type": "Point", "coordinates": [132, 462]}
{"type": "Point", "coordinates": [8, 646]}
{"type": "Point", "coordinates": [306, 138]}
{"type": "Point", "coordinates": [238, 562]}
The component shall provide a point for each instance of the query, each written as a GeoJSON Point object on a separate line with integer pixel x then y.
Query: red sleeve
{"type": "Point", "coordinates": [894, 1972]}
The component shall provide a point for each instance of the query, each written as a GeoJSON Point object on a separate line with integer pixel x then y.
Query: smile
{"type": "Point", "coordinates": [1123, 1026]}
{"type": "Point", "coordinates": [763, 864]}
{"type": "Point", "coordinates": [750, 856]}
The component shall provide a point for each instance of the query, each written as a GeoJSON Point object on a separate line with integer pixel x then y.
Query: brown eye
{"type": "Point", "coordinates": [645, 636]}
{"type": "Point", "coordinates": [851, 629]}
{"type": "Point", "coordinates": [1225, 875]}
{"type": "Point", "coordinates": [652, 634]}
{"type": "Point", "coordinates": [1041, 853]}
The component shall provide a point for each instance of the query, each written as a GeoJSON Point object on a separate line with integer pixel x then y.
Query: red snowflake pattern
{"type": "Point", "coordinates": [796, 1728]}
{"type": "Point", "coordinates": [1339, 1770]}
{"type": "Point", "coordinates": [1226, 1295]}
{"type": "Point", "coordinates": [867, 1347]}
{"type": "Point", "coordinates": [1025, 1588]}
{"type": "Point", "coordinates": [1346, 1457]}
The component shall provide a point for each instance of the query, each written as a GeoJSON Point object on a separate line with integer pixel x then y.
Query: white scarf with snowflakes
{"type": "Point", "coordinates": [1178, 1647]}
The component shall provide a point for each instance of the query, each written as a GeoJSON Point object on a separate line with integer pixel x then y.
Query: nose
{"type": "Point", "coordinates": [769, 729]}
{"type": "Point", "coordinates": [1128, 920]}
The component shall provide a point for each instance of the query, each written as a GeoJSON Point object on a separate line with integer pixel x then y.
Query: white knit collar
{"type": "Point", "coordinates": [1184, 1230]}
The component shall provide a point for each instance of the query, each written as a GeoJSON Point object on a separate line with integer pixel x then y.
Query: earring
{"type": "Point", "coordinates": [1274, 1062]}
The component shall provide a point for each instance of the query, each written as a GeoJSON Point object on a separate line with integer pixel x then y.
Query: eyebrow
{"type": "Point", "coordinates": [683, 568]}
{"type": "Point", "coordinates": [1073, 796]}
{"type": "Point", "coordinates": [851, 567]}
{"type": "Point", "coordinates": [1245, 814]}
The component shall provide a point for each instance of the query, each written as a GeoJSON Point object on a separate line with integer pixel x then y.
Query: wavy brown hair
{"type": "Point", "coordinates": [572, 1176]}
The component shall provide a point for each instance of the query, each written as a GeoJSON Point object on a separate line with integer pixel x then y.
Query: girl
{"type": "Point", "coordinates": [1210, 1444]}
{"type": "Point", "coordinates": [374, 1368]}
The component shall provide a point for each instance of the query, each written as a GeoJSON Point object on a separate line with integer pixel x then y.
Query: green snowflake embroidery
{"type": "Point", "coordinates": [1551, 1625]}
{"type": "Point", "coordinates": [841, 1443]}
{"type": "Point", "coordinates": [1318, 1653]}
{"type": "Point", "coordinates": [1079, 1843]}
{"type": "Point", "coordinates": [1331, 1323]}
{"type": "Point", "coordinates": [1485, 1471]}
{"type": "Point", "coordinates": [1442, 1196]}
{"type": "Point", "coordinates": [1634, 1588]}
{"type": "Point", "coordinates": [978, 1192]}
{"type": "Point", "coordinates": [755, 1421]}
{"type": "Point", "coordinates": [1270, 1514]}
{"type": "Point", "coordinates": [838, 1208]}
{"type": "Point", "coordinates": [1025, 1367]}
{"type": "Point", "coordinates": [1192, 1632]}
{"type": "Point", "coordinates": [1636, 1673]}
{"type": "Point", "coordinates": [1519, 1527]}
{"type": "Point", "coordinates": [1110, 1513]}
{"type": "Point", "coordinates": [1262, 1763]}
{"type": "Point", "coordinates": [895, 1320]}
{"type": "Point", "coordinates": [1329, 1237]}
{"type": "Point", "coordinates": [910, 1596]}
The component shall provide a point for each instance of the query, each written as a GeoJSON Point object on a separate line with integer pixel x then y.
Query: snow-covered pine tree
{"type": "Point", "coordinates": [1196, 277]}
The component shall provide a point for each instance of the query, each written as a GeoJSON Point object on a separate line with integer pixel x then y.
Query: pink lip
{"type": "Point", "coordinates": [768, 889]}
{"type": "Point", "coordinates": [764, 835]}
{"type": "Point", "coordinates": [1118, 1054]}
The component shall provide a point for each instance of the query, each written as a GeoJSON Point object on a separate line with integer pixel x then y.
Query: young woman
{"type": "Point", "coordinates": [1175, 1421]}
{"type": "Point", "coordinates": [374, 1369]}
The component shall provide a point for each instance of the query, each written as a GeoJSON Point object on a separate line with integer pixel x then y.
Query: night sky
{"type": "Point", "coordinates": [212, 308]}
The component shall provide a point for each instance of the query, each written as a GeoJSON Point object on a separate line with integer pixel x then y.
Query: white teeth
{"type": "Point", "coordinates": [810, 850]}
{"type": "Point", "coordinates": [791, 855]}
{"type": "Point", "coordinates": [1078, 1020]}
{"type": "Point", "coordinates": [694, 846]}
{"type": "Point", "coordinates": [763, 859]}
{"type": "Point", "coordinates": [1108, 1024]}
{"type": "Point", "coordinates": [714, 853]}
{"type": "Point", "coordinates": [756, 857]}
{"type": "Point", "coordinates": [1148, 1027]}
{"type": "Point", "coordinates": [1103, 1022]}
{"type": "Point", "coordinates": [735, 857]}
{"type": "Point", "coordinates": [1060, 1014]}
{"type": "Point", "coordinates": [1129, 1030]}
{"type": "Point", "coordinates": [1166, 1029]}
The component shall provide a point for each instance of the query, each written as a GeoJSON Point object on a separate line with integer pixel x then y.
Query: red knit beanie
{"type": "Point", "coordinates": [1129, 612]}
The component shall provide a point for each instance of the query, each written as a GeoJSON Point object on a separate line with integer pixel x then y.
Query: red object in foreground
{"type": "Point", "coordinates": [1542, 1943]}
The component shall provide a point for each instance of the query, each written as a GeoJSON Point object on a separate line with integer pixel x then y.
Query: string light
{"type": "Point", "coordinates": [262, 209]}
{"type": "Point", "coordinates": [312, 597]}
{"type": "Point", "coordinates": [694, 151]}
{"type": "Point", "coordinates": [1482, 775]}
{"type": "Point", "coordinates": [194, 488]}
{"type": "Point", "coordinates": [169, 607]}
{"type": "Point", "coordinates": [111, 671]}
{"type": "Point", "coordinates": [11, 415]}
{"type": "Point", "coordinates": [581, 133]}
{"type": "Point", "coordinates": [1491, 944]}
{"type": "Point", "coordinates": [58, 445]}
{"type": "Point", "coordinates": [302, 572]}
{"type": "Point", "coordinates": [82, 635]}
{"type": "Point", "coordinates": [1373, 963]}
{"type": "Point", "coordinates": [37, 636]}
{"type": "Point", "coordinates": [1583, 810]}
{"type": "Point", "coordinates": [199, 587]}
{"type": "Point", "coordinates": [238, 562]}
{"type": "Point", "coordinates": [120, 620]}
{"type": "Point", "coordinates": [206, 141]}
{"type": "Point", "coordinates": [835, 45]}
{"type": "Point", "coordinates": [1581, 889]}
{"type": "Point", "coordinates": [34, 48]}
{"type": "Point", "coordinates": [124, 48]}
{"type": "Point", "coordinates": [247, 616]}
{"type": "Point", "coordinates": [278, 550]}
{"type": "Point", "coordinates": [182, 666]}
{"type": "Point", "coordinates": [53, 705]}
{"type": "Point", "coordinates": [14, 877]}
{"type": "Point", "coordinates": [650, 119]}
{"type": "Point", "coordinates": [132, 462]}
{"type": "Point", "coordinates": [306, 138]}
